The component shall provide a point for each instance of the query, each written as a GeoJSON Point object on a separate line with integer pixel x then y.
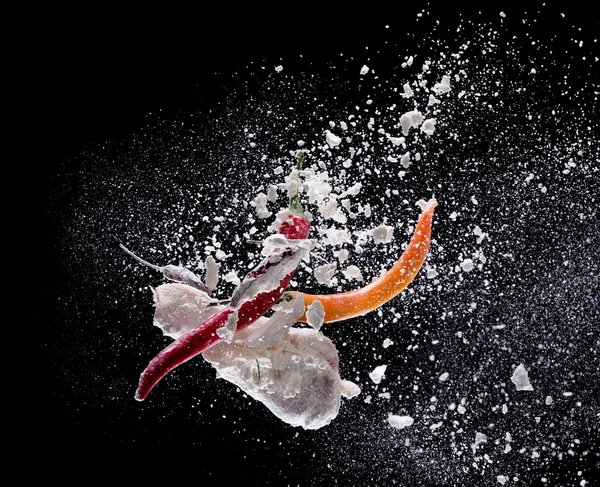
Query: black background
{"type": "Point", "coordinates": [99, 77]}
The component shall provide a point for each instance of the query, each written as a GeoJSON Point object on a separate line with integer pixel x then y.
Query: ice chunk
{"type": "Point", "coordinates": [353, 272]}
{"type": "Point", "coordinates": [324, 273]}
{"type": "Point", "coordinates": [397, 140]}
{"type": "Point", "coordinates": [443, 86]}
{"type": "Point", "coordinates": [279, 68]}
{"type": "Point", "coordinates": [260, 203]}
{"type": "Point", "coordinates": [272, 193]}
{"type": "Point", "coordinates": [405, 160]}
{"type": "Point", "coordinates": [480, 438]}
{"type": "Point", "coordinates": [461, 409]}
{"type": "Point", "coordinates": [443, 377]}
{"type": "Point", "coordinates": [341, 254]}
{"type": "Point", "coordinates": [410, 119]}
{"type": "Point", "coordinates": [501, 479]}
{"type": "Point", "coordinates": [428, 126]}
{"type": "Point", "coordinates": [378, 373]}
{"type": "Point", "coordinates": [520, 378]}
{"type": "Point", "coordinates": [387, 342]}
{"type": "Point", "coordinates": [334, 236]}
{"type": "Point", "coordinates": [383, 234]}
{"type": "Point", "coordinates": [212, 272]}
{"type": "Point", "coordinates": [408, 92]}
{"type": "Point", "coordinates": [332, 139]}
{"type": "Point", "coordinates": [549, 400]}
{"type": "Point", "coordinates": [431, 273]}
{"type": "Point", "coordinates": [364, 69]}
{"type": "Point", "coordinates": [315, 314]}
{"type": "Point", "coordinates": [400, 422]}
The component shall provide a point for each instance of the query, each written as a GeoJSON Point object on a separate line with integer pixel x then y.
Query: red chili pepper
{"type": "Point", "coordinates": [205, 335]}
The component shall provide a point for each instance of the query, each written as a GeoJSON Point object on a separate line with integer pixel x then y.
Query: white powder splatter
{"type": "Point", "coordinates": [324, 273]}
{"type": "Point", "coordinates": [353, 272]}
{"type": "Point", "coordinates": [383, 234]}
{"type": "Point", "coordinates": [409, 120]}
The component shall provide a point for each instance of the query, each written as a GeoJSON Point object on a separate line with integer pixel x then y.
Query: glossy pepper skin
{"type": "Point", "coordinates": [194, 342]}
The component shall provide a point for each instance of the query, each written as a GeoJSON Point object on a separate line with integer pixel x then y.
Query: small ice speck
{"type": "Point", "coordinates": [400, 422]}
{"type": "Point", "coordinates": [431, 273]}
{"type": "Point", "coordinates": [480, 438]}
{"type": "Point", "coordinates": [353, 272]}
{"type": "Point", "coordinates": [332, 139]}
{"type": "Point", "coordinates": [378, 373]}
{"type": "Point", "coordinates": [279, 68]}
{"type": "Point", "coordinates": [501, 479]}
{"type": "Point", "coordinates": [387, 342]}
{"type": "Point", "coordinates": [383, 234]}
{"type": "Point", "coordinates": [364, 69]}
{"type": "Point", "coordinates": [520, 378]}
{"type": "Point", "coordinates": [443, 377]}
{"type": "Point", "coordinates": [549, 400]}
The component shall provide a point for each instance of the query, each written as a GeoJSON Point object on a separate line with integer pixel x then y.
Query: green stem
{"type": "Point", "coordinates": [295, 206]}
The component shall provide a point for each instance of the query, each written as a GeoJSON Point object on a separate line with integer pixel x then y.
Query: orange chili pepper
{"type": "Point", "coordinates": [343, 306]}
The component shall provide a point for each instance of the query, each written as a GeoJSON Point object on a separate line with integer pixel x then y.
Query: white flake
{"type": "Point", "coordinates": [315, 314]}
{"type": "Point", "coordinates": [324, 273]}
{"type": "Point", "coordinates": [387, 342]}
{"type": "Point", "coordinates": [353, 272]}
{"type": "Point", "coordinates": [279, 68]}
{"type": "Point", "coordinates": [364, 69]}
{"type": "Point", "coordinates": [428, 126]}
{"type": "Point", "coordinates": [409, 120]}
{"type": "Point", "coordinates": [378, 373]}
{"type": "Point", "coordinates": [400, 422]}
{"type": "Point", "coordinates": [332, 139]}
{"type": "Point", "coordinates": [212, 273]}
{"type": "Point", "coordinates": [467, 265]}
{"type": "Point", "coordinates": [443, 86]}
{"type": "Point", "coordinates": [520, 378]}
{"type": "Point", "coordinates": [443, 377]}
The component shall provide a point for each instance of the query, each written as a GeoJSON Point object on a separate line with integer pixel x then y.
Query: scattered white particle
{"type": "Point", "coordinates": [367, 210]}
{"type": "Point", "coordinates": [332, 139]}
{"type": "Point", "coordinates": [466, 265]}
{"type": "Point", "coordinates": [272, 193]}
{"type": "Point", "coordinates": [432, 100]}
{"type": "Point", "coordinates": [315, 314]}
{"type": "Point", "coordinates": [384, 395]}
{"type": "Point", "coordinates": [324, 273]}
{"type": "Point", "coordinates": [504, 409]}
{"type": "Point", "coordinates": [400, 422]}
{"type": "Point", "coordinates": [405, 160]}
{"type": "Point", "coordinates": [220, 255]}
{"type": "Point", "coordinates": [549, 400]}
{"type": "Point", "coordinates": [520, 378]}
{"type": "Point", "coordinates": [428, 126]}
{"type": "Point", "coordinates": [378, 373]}
{"type": "Point", "coordinates": [502, 14]}
{"type": "Point", "coordinates": [480, 438]}
{"type": "Point", "coordinates": [461, 409]}
{"type": "Point", "coordinates": [387, 342]}
{"type": "Point", "coordinates": [443, 86]}
{"type": "Point", "coordinates": [279, 68]}
{"type": "Point", "coordinates": [232, 277]}
{"type": "Point", "coordinates": [383, 234]}
{"type": "Point", "coordinates": [342, 255]}
{"type": "Point", "coordinates": [397, 140]}
{"type": "Point", "coordinates": [364, 69]}
{"type": "Point", "coordinates": [260, 203]}
{"type": "Point", "coordinates": [507, 448]}
{"type": "Point", "coordinates": [435, 426]}
{"type": "Point", "coordinates": [443, 377]}
{"type": "Point", "coordinates": [567, 394]}
{"type": "Point", "coordinates": [453, 216]}
{"type": "Point", "coordinates": [353, 272]}
{"type": "Point", "coordinates": [431, 273]}
{"type": "Point", "coordinates": [300, 143]}
{"type": "Point", "coordinates": [278, 170]}
{"type": "Point", "coordinates": [408, 92]}
{"type": "Point", "coordinates": [501, 479]}
{"type": "Point", "coordinates": [410, 119]}
{"type": "Point", "coordinates": [508, 436]}
{"type": "Point", "coordinates": [212, 273]}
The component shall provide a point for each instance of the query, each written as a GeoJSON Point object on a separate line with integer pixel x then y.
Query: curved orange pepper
{"type": "Point", "coordinates": [343, 306]}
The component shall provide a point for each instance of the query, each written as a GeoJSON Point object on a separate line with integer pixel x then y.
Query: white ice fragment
{"type": "Point", "coordinates": [467, 265]}
{"type": "Point", "coordinates": [387, 342]}
{"type": "Point", "coordinates": [332, 139]}
{"type": "Point", "coordinates": [549, 400]}
{"type": "Point", "coordinates": [272, 193]}
{"type": "Point", "coordinates": [504, 409]}
{"type": "Point", "coordinates": [367, 210]}
{"type": "Point", "coordinates": [383, 234]}
{"type": "Point", "coordinates": [227, 331]}
{"type": "Point", "coordinates": [405, 160]}
{"type": "Point", "coordinates": [432, 100]}
{"type": "Point", "coordinates": [428, 126]}
{"type": "Point", "coordinates": [400, 422]}
{"type": "Point", "coordinates": [408, 92]}
{"type": "Point", "coordinates": [334, 236]}
{"type": "Point", "coordinates": [260, 203]}
{"type": "Point", "coordinates": [353, 272]}
{"type": "Point", "coordinates": [378, 373]}
{"type": "Point", "coordinates": [409, 61]}
{"type": "Point", "coordinates": [480, 438]}
{"type": "Point", "coordinates": [315, 314]}
{"type": "Point", "coordinates": [409, 120]}
{"type": "Point", "coordinates": [397, 140]}
{"type": "Point", "coordinates": [461, 409]}
{"type": "Point", "coordinates": [364, 69]}
{"type": "Point", "coordinates": [278, 170]}
{"type": "Point", "coordinates": [520, 378]}
{"type": "Point", "coordinates": [443, 377]}
{"type": "Point", "coordinates": [232, 277]}
{"type": "Point", "coordinates": [453, 216]}
{"type": "Point", "coordinates": [431, 273]}
{"type": "Point", "coordinates": [502, 14]}
{"type": "Point", "coordinates": [212, 273]}
{"type": "Point", "coordinates": [324, 273]}
{"type": "Point", "coordinates": [501, 479]}
{"type": "Point", "coordinates": [279, 68]}
{"type": "Point", "coordinates": [443, 86]}
{"type": "Point", "coordinates": [342, 255]}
